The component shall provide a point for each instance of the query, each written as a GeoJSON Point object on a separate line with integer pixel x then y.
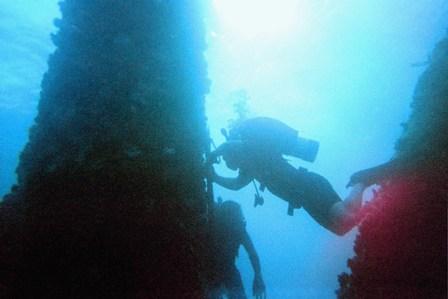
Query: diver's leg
{"type": "Point", "coordinates": [344, 214]}
{"type": "Point", "coordinates": [214, 292]}
{"type": "Point", "coordinates": [234, 285]}
{"type": "Point", "coordinates": [326, 207]}
{"type": "Point", "coordinates": [353, 201]}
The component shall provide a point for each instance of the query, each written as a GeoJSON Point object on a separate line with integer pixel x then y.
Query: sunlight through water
{"type": "Point", "coordinates": [259, 18]}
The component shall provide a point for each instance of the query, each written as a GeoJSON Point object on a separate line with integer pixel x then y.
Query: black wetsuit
{"type": "Point", "coordinates": [226, 277]}
{"type": "Point", "coordinates": [299, 187]}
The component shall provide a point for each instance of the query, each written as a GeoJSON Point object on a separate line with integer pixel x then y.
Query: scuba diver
{"type": "Point", "coordinates": [229, 232]}
{"type": "Point", "coordinates": [256, 147]}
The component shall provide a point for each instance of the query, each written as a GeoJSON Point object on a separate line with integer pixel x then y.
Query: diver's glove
{"type": "Point", "coordinates": [258, 287]}
{"type": "Point", "coordinates": [373, 175]}
{"type": "Point", "coordinates": [212, 158]}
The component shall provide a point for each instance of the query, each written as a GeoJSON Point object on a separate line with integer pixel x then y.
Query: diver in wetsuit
{"type": "Point", "coordinates": [229, 232]}
{"type": "Point", "coordinates": [256, 149]}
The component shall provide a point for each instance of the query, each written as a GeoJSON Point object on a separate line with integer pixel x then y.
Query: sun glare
{"type": "Point", "coordinates": [258, 18]}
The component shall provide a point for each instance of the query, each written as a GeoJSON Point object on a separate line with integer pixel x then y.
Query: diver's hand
{"type": "Point", "coordinates": [212, 158]}
{"type": "Point", "coordinates": [258, 287]}
{"type": "Point", "coordinates": [369, 176]}
{"type": "Point", "coordinates": [356, 178]}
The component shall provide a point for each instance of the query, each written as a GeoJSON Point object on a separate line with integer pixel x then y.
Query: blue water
{"type": "Point", "coordinates": [342, 73]}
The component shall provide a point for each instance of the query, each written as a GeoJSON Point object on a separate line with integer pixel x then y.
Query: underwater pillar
{"type": "Point", "coordinates": [401, 248]}
{"type": "Point", "coordinates": [110, 196]}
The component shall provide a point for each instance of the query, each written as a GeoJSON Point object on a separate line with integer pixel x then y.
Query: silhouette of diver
{"type": "Point", "coordinates": [229, 231]}
{"type": "Point", "coordinates": [256, 148]}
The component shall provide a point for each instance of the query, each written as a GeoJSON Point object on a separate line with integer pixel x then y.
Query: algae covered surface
{"type": "Point", "coordinates": [110, 189]}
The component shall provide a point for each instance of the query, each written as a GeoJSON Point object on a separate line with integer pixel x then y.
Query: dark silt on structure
{"type": "Point", "coordinates": [401, 248]}
{"type": "Point", "coordinates": [110, 198]}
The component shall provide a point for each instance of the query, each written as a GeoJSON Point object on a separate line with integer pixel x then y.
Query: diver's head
{"type": "Point", "coordinates": [230, 213]}
{"type": "Point", "coordinates": [232, 154]}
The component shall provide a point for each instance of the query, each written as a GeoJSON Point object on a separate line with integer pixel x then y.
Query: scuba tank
{"type": "Point", "coordinates": [275, 136]}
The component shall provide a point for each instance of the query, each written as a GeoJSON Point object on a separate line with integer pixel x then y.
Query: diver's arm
{"type": "Point", "coordinates": [258, 287]}
{"type": "Point", "coordinates": [253, 256]}
{"type": "Point", "coordinates": [379, 173]}
{"type": "Point", "coordinates": [212, 157]}
{"type": "Point", "coordinates": [232, 183]}
{"type": "Point", "coordinates": [227, 146]}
